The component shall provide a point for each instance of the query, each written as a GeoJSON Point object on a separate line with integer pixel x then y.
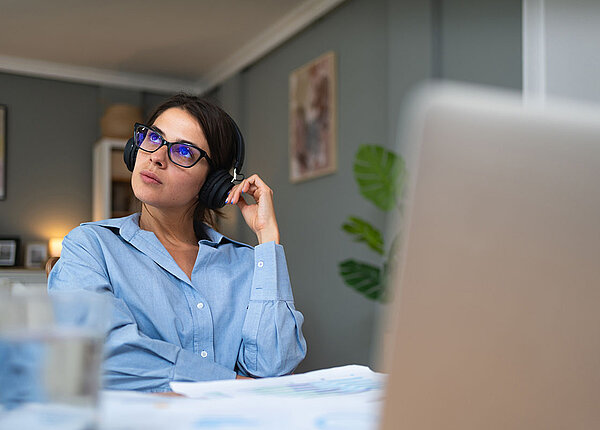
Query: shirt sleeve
{"type": "Point", "coordinates": [272, 339]}
{"type": "Point", "coordinates": [132, 360]}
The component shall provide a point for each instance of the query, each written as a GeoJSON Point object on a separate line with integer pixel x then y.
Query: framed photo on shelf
{"type": "Point", "coordinates": [9, 251]}
{"type": "Point", "coordinates": [36, 255]}
{"type": "Point", "coordinates": [2, 152]}
{"type": "Point", "coordinates": [312, 119]}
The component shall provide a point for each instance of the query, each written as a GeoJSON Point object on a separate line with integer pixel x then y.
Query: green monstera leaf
{"type": "Point", "coordinates": [363, 231]}
{"type": "Point", "coordinates": [363, 277]}
{"type": "Point", "coordinates": [380, 175]}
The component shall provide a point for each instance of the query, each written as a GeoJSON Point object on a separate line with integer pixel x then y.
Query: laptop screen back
{"type": "Point", "coordinates": [497, 310]}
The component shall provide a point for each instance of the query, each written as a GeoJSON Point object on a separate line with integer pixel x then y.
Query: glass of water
{"type": "Point", "coordinates": [50, 360]}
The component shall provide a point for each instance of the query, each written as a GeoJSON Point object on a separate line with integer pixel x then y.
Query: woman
{"type": "Point", "coordinates": [190, 304]}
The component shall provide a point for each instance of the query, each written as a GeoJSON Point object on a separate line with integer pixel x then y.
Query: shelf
{"type": "Point", "coordinates": [23, 275]}
{"type": "Point", "coordinates": [20, 269]}
{"type": "Point", "coordinates": [112, 194]}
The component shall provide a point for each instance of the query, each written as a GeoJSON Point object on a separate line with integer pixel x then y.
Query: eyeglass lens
{"type": "Point", "coordinates": [179, 153]}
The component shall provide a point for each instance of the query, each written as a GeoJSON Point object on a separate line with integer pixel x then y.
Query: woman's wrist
{"type": "Point", "coordinates": [268, 234]}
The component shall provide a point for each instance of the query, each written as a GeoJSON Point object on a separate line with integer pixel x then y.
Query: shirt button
{"type": "Point", "coordinates": [261, 264]}
{"type": "Point", "coordinates": [203, 354]}
{"type": "Point", "coordinates": [200, 305]}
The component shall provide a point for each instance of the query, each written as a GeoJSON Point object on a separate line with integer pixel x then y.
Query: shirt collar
{"type": "Point", "coordinates": [129, 226]}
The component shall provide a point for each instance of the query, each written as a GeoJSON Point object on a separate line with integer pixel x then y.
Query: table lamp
{"type": "Point", "coordinates": [55, 246]}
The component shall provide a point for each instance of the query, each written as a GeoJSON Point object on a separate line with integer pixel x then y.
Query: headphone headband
{"type": "Point", "coordinates": [239, 150]}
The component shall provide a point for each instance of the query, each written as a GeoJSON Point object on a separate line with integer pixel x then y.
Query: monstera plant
{"type": "Point", "coordinates": [380, 175]}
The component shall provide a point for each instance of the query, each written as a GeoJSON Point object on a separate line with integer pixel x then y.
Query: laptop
{"type": "Point", "coordinates": [496, 316]}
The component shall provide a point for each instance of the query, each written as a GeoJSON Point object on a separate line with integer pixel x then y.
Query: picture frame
{"type": "Point", "coordinates": [313, 119]}
{"type": "Point", "coordinates": [36, 254]}
{"type": "Point", "coordinates": [9, 251]}
{"type": "Point", "coordinates": [3, 176]}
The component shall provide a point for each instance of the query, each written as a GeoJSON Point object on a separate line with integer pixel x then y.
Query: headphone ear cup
{"type": "Point", "coordinates": [214, 191]}
{"type": "Point", "coordinates": [129, 154]}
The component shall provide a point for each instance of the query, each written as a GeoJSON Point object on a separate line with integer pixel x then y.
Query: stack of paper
{"type": "Point", "coordinates": [346, 398]}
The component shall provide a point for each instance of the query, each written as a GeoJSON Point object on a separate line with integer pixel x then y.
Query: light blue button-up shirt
{"type": "Point", "coordinates": [235, 315]}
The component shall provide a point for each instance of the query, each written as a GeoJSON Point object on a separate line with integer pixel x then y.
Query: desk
{"type": "Point", "coordinates": [346, 398]}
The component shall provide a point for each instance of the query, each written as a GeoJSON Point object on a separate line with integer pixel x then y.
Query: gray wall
{"type": "Point", "coordinates": [480, 41]}
{"type": "Point", "coordinates": [383, 48]}
{"type": "Point", "coordinates": [339, 322]}
{"type": "Point", "coordinates": [52, 127]}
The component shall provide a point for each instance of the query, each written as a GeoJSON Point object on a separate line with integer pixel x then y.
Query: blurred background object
{"type": "Point", "coordinates": [117, 119]}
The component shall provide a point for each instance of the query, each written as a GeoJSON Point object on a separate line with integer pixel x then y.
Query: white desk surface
{"type": "Point", "coordinates": [347, 397]}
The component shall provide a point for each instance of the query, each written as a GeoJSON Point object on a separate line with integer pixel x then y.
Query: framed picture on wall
{"type": "Point", "coordinates": [9, 250]}
{"type": "Point", "coordinates": [312, 119]}
{"type": "Point", "coordinates": [36, 255]}
{"type": "Point", "coordinates": [2, 152]}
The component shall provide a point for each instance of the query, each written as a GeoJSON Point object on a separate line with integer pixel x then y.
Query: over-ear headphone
{"type": "Point", "coordinates": [218, 182]}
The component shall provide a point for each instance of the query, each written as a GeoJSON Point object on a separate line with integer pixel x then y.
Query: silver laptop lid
{"type": "Point", "coordinates": [497, 310]}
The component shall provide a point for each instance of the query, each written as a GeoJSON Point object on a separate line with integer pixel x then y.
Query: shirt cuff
{"type": "Point", "coordinates": [190, 367]}
{"type": "Point", "coordinates": [271, 280]}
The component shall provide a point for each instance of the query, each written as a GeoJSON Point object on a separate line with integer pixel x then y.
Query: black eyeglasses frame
{"type": "Point", "coordinates": [164, 142]}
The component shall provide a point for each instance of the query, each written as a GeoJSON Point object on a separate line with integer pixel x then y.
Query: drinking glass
{"type": "Point", "coordinates": [50, 360]}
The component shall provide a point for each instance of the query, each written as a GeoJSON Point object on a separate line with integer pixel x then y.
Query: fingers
{"type": "Point", "coordinates": [255, 179]}
{"type": "Point", "coordinates": [252, 185]}
{"type": "Point", "coordinates": [257, 188]}
{"type": "Point", "coordinates": [234, 194]}
{"type": "Point", "coordinates": [248, 187]}
{"type": "Point", "coordinates": [241, 203]}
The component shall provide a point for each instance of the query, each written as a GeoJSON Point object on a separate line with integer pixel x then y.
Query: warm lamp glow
{"type": "Point", "coordinates": [55, 246]}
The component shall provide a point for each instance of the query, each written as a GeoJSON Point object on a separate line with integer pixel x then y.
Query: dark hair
{"type": "Point", "coordinates": [220, 132]}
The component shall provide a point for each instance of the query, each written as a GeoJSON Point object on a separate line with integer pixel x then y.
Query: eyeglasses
{"type": "Point", "coordinates": [181, 153]}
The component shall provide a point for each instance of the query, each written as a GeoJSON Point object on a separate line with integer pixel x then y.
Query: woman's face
{"type": "Point", "coordinates": [158, 182]}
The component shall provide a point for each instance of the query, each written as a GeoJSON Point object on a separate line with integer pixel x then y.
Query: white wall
{"type": "Point", "coordinates": [561, 49]}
